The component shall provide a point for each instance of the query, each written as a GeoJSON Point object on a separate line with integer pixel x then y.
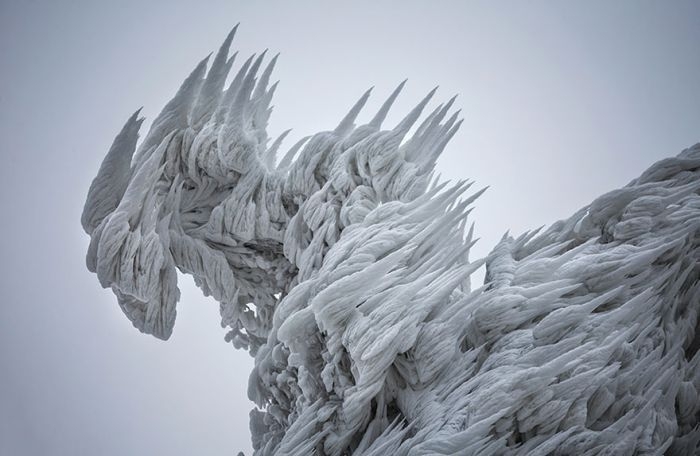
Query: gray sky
{"type": "Point", "coordinates": [563, 101]}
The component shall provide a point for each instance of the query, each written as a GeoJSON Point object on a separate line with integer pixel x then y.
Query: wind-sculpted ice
{"type": "Point", "coordinates": [343, 269]}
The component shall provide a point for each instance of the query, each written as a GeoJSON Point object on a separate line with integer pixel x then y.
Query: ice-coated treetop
{"type": "Point", "coordinates": [343, 268]}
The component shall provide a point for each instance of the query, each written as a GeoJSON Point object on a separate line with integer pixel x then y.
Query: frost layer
{"type": "Point", "coordinates": [343, 269]}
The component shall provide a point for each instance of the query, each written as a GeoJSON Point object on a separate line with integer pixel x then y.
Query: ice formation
{"type": "Point", "coordinates": [343, 268]}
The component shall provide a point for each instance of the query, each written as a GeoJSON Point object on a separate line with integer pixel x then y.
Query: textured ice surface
{"type": "Point", "coordinates": [343, 268]}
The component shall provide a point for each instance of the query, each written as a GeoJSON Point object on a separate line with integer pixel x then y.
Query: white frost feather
{"type": "Point", "coordinates": [345, 273]}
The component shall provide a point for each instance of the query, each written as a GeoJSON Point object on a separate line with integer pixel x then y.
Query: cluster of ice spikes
{"type": "Point", "coordinates": [343, 268]}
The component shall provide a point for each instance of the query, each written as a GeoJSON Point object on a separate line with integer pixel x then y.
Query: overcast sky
{"type": "Point", "coordinates": [562, 102]}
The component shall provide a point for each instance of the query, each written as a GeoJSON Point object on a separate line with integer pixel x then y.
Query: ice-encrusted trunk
{"type": "Point", "coordinates": [343, 268]}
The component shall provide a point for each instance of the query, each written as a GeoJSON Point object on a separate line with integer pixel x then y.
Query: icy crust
{"type": "Point", "coordinates": [343, 268]}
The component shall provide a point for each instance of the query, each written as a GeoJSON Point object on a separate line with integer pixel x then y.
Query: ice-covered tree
{"type": "Point", "coordinates": [343, 269]}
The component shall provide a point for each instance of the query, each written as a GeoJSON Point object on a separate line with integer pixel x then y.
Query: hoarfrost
{"type": "Point", "coordinates": [343, 268]}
